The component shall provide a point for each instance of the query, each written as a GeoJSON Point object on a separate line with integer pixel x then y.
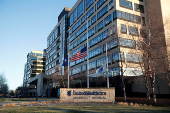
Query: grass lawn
{"type": "Point", "coordinates": [5, 100]}
{"type": "Point", "coordinates": [86, 109]}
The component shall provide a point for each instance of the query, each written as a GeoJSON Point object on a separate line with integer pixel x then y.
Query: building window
{"type": "Point", "coordinates": [133, 57]}
{"type": "Point", "coordinates": [78, 41]}
{"type": "Point", "coordinates": [76, 26]}
{"type": "Point", "coordinates": [56, 33]}
{"type": "Point", "coordinates": [98, 38]}
{"type": "Point", "coordinates": [92, 65]}
{"type": "Point", "coordinates": [100, 25]}
{"type": "Point", "coordinates": [102, 12]}
{"type": "Point", "coordinates": [48, 43]}
{"type": "Point", "coordinates": [75, 44]}
{"type": "Point", "coordinates": [112, 29]}
{"type": "Point", "coordinates": [100, 3]}
{"type": "Point", "coordinates": [125, 4]}
{"type": "Point", "coordinates": [127, 42]}
{"type": "Point", "coordinates": [83, 38]}
{"type": "Point", "coordinates": [114, 72]}
{"type": "Point", "coordinates": [71, 46]}
{"type": "Point", "coordinates": [95, 52]}
{"type": "Point", "coordinates": [139, 7]}
{"type": "Point", "coordinates": [108, 19]}
{"type": "Point", "coordinates": [84, 68]}
{"type": "Point", "coordinates": [89, 3]}
{"type": "Point", "coordinates": [91, 32]}
{"type": "Point", "coordinates": [111, 44]}
{"type": "Point", "coordinates": [90, 12]}
{"type": "Point", "coordinates": [133, 30]}
{"type": "Point", "coordinates": [93, 20]}
{"type": "Point", "coordinates": [72, 38]}
{"type": "Point", "coordinates": [71, 19]}
{"type": "Point", "coordinates": [78, 61]}
{"type": "Point", "coordinates": [80, 9]}
{"type": "Point", "coordinates": [75, 15]}
{"type": "Point", "coordinates": [51, 40]}
{"type": "Point", "coordinates": [89, 23]}
{"type": "Point", "coordinates": [111, 4]}
{"type": "Point", "coordinates": [72, 64]}
{"type": "Point", "coordinates": [118, 56]}
{"type": "Point", "coordinates": [81, 30]}
{"type": "Point", "coordinates": [126, 16]}
{"type": "Point", "coordinates": [103, 61]}
{"type": "Point", "coordinates": [82, 19]}
{"type": "Point", "coordinates": [123, 28]}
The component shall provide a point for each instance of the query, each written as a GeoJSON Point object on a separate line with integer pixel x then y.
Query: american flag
{"type": "Point", "coordinates": [79, 55]}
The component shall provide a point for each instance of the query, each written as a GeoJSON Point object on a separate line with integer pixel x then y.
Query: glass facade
{"type": "Point", "coordinates": [102, 12]}
{"type": "Point", "coordinates": [99, 38]}
{"type": "Point", "coordinates": [81, 30]}
{"type": "Point", "coordinates": [108, 19]}
{"type": "Point", "coordinates": [102, 61]}
{"type": "Point", "coordinates": [93, 20]}
{"type": "Point", "coordinates": [71, 19]}
{"type": "Point", "coordinates": [126, 16]}
{"type": "Point", "coordinates": [100, 25]}
{"type": "Point", "coordinates": [118, 56]}
{"type": "Point", "coordinates": [100, 3]}
{"type": "Point", "coordinates": [90, 12]}
{"type": "Point", "coordinates": [111, 4]}
{"type": "Point", "coordinates": [83, 19]}
{"type": "Point", "coordinates": [83, 38]}
{"type": "Point", "coordinates": [89, 3]}
{"type": "Point", "coordinates": [99, 16]}
{"type": "Point", "coordinates": [80, 9]}
{"type": "Point", "coordinates": [126, 4]}
{"type": "Point", "coordinates": [95, 52]}
{"type": "Point", "coordinates": [76, 26]}
{"type": "Point", "coordinates": [91, 32]}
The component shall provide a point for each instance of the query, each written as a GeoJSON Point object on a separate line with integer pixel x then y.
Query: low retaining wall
{"type": "Point", "coordinates": [87, 94]}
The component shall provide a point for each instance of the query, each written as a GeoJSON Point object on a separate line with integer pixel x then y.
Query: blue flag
{"type": "Point", "coordinates": [65, 61]}
{"type": "Point", "coordinates": [101, 69]}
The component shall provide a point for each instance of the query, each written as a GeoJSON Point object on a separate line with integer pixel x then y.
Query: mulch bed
{"type": "Point", "coordinates": [160, 102]}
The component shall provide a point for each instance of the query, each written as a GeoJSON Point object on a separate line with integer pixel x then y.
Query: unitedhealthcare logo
{"type": "Point", "coordinates": [69, 93]}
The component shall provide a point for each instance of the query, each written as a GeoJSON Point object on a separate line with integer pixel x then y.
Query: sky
{"type": "Point", "coordinates": [25, 26]}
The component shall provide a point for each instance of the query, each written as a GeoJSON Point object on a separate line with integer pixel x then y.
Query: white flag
{"type": "Point", "coordinates": [101, 69]}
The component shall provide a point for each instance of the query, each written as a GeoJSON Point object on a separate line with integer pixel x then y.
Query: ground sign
{"type": "Point", "coordinates": [87, 94]}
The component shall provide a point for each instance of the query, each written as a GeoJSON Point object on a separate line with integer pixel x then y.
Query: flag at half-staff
{"type": "Point", "coordinates": [79, 55]}
{"type": "Point", "coordinates": [65, 61]}
{"type": "Point", "coordinates": [101, 69]}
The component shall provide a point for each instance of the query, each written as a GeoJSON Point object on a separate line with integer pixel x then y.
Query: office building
{"type": "Point", "coordinates": [35, 65]}
{"type": "Point", "coordinates": [115, 22]}
{"type": "Point", "coordinates": [104, 18]}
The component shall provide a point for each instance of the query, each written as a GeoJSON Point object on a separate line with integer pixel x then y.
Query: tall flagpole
{"type": "Point", "coordinates": [107, 67]}
{"type": "Point", "coordinates": [87, 57]}
{"type": "Point", "coordinates": [68, 56]}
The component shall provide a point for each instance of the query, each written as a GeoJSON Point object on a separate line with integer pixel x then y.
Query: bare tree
{"type": "Point", "coordinates": [3, 85]}
{"type": "Point", "coordinates": [151, 40]}
{"type": "Point", "coordinates": [11, 92]}
{"type": "Point", "coordinates": [120, 62]}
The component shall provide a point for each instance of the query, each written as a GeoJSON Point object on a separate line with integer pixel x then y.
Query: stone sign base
{"type": "Point", "coordinates": [87, 94]}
